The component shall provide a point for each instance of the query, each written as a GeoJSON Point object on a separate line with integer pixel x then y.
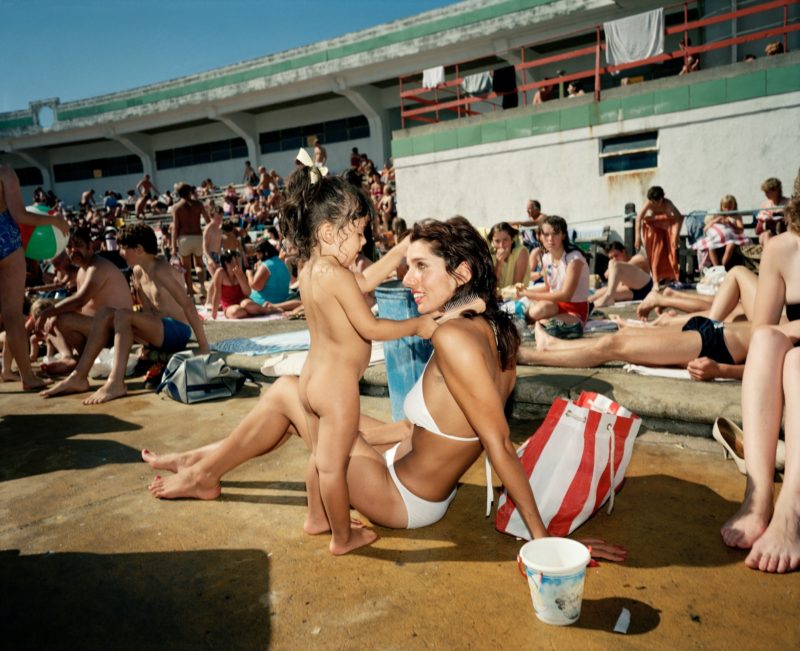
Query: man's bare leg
{"type": "Point", "coordinates": [261, 431]}
{"type": "Point", "coordinates": [762, 407]}
{"type": "Point", "coordinates": [622, 273]}
{"type": "Point", "coordinates": [78, 380]}
{"type": "Point", "coordinates": [114, 386]}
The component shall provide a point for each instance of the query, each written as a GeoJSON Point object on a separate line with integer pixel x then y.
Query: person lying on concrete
{"type": "Point", "coordinates": [165, 323]}
{"type": "Point", "coordinates": [628, 277]}
{"type": "Point", "coordinates": [734, 301]}
{"type": "Point", "coordinates": [770, 390]}
{"type": "Point", "coordinates": [722, 346]}
{"type": "Point", "coordinates": [406, 474]}
{"type": "Point", "coordinates": [100, 285]}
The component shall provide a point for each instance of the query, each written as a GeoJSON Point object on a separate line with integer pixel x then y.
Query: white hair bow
{"type": "Point", "coordinates": [305, 159]}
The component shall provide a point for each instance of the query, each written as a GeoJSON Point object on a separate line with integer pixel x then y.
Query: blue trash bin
{"type": "Point", "coordinates": [406, 357]}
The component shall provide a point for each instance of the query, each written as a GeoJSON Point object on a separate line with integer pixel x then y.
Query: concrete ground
{"type": "Point", "coordinates": [89, 560]}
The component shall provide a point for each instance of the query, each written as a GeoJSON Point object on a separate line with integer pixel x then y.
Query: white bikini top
{"type": "Point", "coordinates": [417, 412]}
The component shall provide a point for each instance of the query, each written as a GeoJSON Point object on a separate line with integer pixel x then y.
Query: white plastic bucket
{"type": "Point", "coordinates": [556, 569]}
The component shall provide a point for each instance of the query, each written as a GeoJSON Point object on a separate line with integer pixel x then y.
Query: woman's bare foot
{"type": "Point", "coordinates": [106, 393]}
{"type": "Point", "coordinates": [778, 549]}
{"type": "Point", "coordinates": [749, 522]}
{"type": "Point", "coordinates": [185, 483]}
{"type": "Point", "coordinates": [648, 304]}
{"type": "Point", "coordinates": [9, 376]}
{"type": "Point", "coordinates": [314, 526]}
{"type": "Point", "coordinates": [359, 537]}
{"type": "Point", "coordinates": [61, 367]}
{"type": "Point", "coordinates": [70, 384]}
{"type": "Point", "coordinates": [172, 462]}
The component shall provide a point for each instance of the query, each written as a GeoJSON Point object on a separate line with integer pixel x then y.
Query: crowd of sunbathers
{"type": "Point", "coordinates": [328, 220]}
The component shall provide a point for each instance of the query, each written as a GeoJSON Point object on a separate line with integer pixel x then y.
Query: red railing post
{"type": "Point", "coordinates": [402, 106]}
{"type": "Point", "coordinates": [597, 67]}
{"type": "Point", "coordinates": [785, 23]}
{"type": "Point", "coordinates": [458, 93]}
{"type": "Point", "coordinates": [524, 76]}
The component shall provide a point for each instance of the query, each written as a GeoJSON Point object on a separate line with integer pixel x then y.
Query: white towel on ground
{"type": "Point", "coordinates": [292, 363]}
{"type": "Point", "coordinates": [634, 38]}
{"type": "Point", "coordinates": [432, 77]}
{"type": "Point", "coordinates": [674, 373]}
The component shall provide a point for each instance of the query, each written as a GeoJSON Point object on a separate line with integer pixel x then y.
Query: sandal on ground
{"type": "Point", "coordinates": [731, 437]}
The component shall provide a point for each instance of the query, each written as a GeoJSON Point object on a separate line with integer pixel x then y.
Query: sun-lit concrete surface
{"type": "Point", "coordinates": [91, 560]}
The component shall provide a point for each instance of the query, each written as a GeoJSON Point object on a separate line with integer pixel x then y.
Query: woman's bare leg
{"type": "Point", "coordinates": [677, 300]}
{"type": "Point", "coordinates": [12, 291]}
{"type": "Point", "coordinates": [261, 431]}
{"type": "Point", "coordinates": [778, 549]}
{"type": "Point", "coordinates": [762, 406]}
{"type": "Point", "coordinates": [739, 286]}
{"type": "Point", "coordinates": [539, 310]}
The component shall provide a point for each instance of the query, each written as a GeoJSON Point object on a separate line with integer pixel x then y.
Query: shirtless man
{"type": "Point", "coordinates": [166, 322]}
{"type": "Point", "coordinates": [212, 242]}
{"type": "Point", "coordinates": [187, 235]}
{"type": "Point", "coordinates": [263, 181]}
{"type": "Point", "coordinates": [628, 277]}
{"type": "Point", "coordinates": [249, 177]}
{"type": "Point", "coordinates": [320, 154]}
{"type": "Point", "coordinates": [386, 208]}
{"type": "Point", "coordinates": [100, 284]}
{"type": "Point", "coordinates": [708, 348]}
{"type": "Point", "coordinates": [87, 200]}
{"type": "Point", "coordinates": [145, 188]}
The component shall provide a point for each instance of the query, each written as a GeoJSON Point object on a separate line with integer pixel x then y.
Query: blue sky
{"type": "Point", "coordinates": [74, 49]}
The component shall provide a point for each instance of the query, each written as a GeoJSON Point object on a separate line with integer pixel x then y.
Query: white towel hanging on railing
{"type": "Point", "coordinates": [634, 38]}
{"type": "Point", "coordinates": [433, 77]}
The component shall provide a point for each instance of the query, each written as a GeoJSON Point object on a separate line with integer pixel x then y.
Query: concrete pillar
{"type": "Point", "coordinates": [244, 126]}
{"type": "Point", "coordinates": [142, 145]}
{"type": "Point", "coordinates": [367, 99]}
{"type": "Point", "coordinates": [38, 158]}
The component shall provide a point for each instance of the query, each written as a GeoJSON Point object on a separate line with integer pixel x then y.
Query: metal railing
{"type": "Point", "coordinates": [428, 105]}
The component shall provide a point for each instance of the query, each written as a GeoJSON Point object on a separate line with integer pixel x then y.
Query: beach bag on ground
{"type": "Point", "coordinates": [575, 462]}
{"type": "Point", "coordinates": [192, 378]}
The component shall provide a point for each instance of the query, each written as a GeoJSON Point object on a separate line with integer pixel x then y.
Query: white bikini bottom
{"type": "Point", "coordinates": [421, 513]}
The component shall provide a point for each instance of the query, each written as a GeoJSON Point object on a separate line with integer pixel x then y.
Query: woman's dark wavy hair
{"type": "Point", "coordinates": [266, 250]}
{"type": "Point", "coordinates": [456, 241]}
{"type": "Point", "coordinates": [307, 206]}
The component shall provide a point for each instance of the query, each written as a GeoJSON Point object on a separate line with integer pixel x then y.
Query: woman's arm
{"type": "Point", "coordinates": [771, 288]}
{"type": "Point", "coordinates": [521, 268]}
{"type": "Point", "coordinates": [462, 360]}
{"type": "Point", "coordinates": [557, 295]}
{"type": "Point", "coordinates": [259, 279]}
{"type": "Point", "coordinates": [21, 215]}
{"type": "Point", "coordinates": [637, 226]}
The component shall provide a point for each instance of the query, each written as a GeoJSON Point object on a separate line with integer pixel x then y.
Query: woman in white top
{"type": "Point", "coordinates": [566, 276]}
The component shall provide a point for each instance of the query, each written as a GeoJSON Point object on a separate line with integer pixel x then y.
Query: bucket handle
{"type": "Point", "coordinates": [532, 575]}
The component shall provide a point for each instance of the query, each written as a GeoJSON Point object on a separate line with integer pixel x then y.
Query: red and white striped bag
{"type": "Point", "coordinates": [570, 462]}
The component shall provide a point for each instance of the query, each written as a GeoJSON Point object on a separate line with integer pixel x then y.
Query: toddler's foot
{"type": "Point", "coordinates": [359, 537]}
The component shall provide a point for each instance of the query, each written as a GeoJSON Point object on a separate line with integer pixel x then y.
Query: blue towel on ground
{"type": "Point", "coordinates": [266, 345]}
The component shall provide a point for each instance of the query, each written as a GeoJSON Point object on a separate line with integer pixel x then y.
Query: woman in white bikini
{"type": "Point", "coordinates": [454, 412]}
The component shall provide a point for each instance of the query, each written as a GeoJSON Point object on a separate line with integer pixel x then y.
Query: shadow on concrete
{"type": "Point", "coordinates": [662, 520]}
{"type": "Point", "coordinates": [665, 521]}
{"type": "Point", "coordinates": [215, 599]}
{"type": "Point", "coordinates": [34, 444]}
{"type": "Point", "coordinates": [602, 615]}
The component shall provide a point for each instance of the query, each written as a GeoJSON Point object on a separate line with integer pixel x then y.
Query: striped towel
{"type": "Point", "coordinates": [718, 236]}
